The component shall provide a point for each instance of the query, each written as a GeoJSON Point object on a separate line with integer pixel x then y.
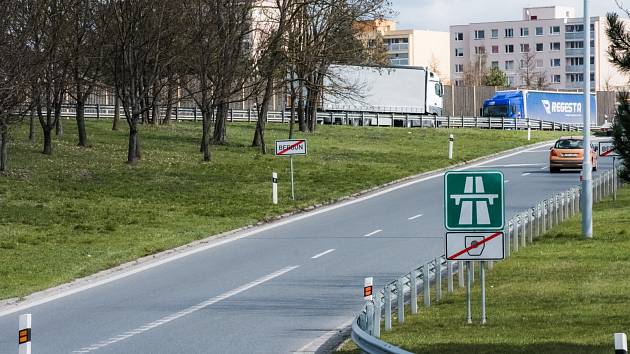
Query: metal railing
{"type": "Point", "coordinates": [391, 119]}
{"type": "Point", "coordinates": [520, 231]}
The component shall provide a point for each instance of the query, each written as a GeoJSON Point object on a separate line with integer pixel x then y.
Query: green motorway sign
{"type": "Point", "coordinates": [474, 200]}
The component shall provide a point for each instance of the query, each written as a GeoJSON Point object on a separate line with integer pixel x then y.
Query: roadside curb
{"type": "Point", "coordinates": [13, 305]}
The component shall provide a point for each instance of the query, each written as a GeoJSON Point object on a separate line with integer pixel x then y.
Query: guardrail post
{"type": "Point", "coordinates": [426, 285]}
{"type": "Point", "coordinates": [621, 343]}
{"type": "Point", "coordinates": [476, 122]}
{"type": "Point", "coordinates": [369, 317]}
{"type": "Point", "coordinates": [400, 291]}
{"type": "Point", "coordinates": [438, 279]}
{"type": "Point", "coordinates": [460, 274]}
{"type": "Point", "coordinates": [448, 121]}
{"type": "Point", "coordinates": [388, 307]}
{"type": "Point", "coordinates": [195, 114]}
{"type": "Point", "coordinates": [98, 111]}
{"type": "Point", "coordinates": [561, 205]}
{"type": "Point", "coordinates": [545, 209]}
{"type": "Point", "coordinates": [449, 274]}
{"type": "Point", "coordinates": [515, 238]}
{"type": "Point", "coordinates": [515, 123]}
{"type": "Point", "coordinates": [523, 233]}
{"type": "Point", "coordinates": [413, 297]}
{"type": "Point", "coordinates": [538, 219]}
{"type": "Point", "coordinates": [177, 113]}
{"type": "Point", "coordinates": [24, 334]}
{"type": "Point", "coordinates": [530, 226]}
{"type": "Point", "coordinates": [508, 239]}
{"type": "Point", "coordinates": [377, 315]}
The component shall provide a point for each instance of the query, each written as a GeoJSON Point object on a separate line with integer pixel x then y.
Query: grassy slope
{"type": "Point", "coordinates": [84, 210]}
{"type": "Point", "coordinates": [561, 295]}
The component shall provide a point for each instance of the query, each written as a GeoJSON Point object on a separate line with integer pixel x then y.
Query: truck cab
{"type": "Point", "coordinates": [435, 93]}
{"type": "Point", "coordinates": [508, 104]}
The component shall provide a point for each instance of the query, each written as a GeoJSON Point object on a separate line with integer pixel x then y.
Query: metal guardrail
{"type": "Point", "coordinates": [392, 119]}
{"type": "Point", "coordinates": [521, 230]}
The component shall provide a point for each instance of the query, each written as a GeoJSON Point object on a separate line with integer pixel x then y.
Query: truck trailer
{"type": "Point", "coordinates": [551, 106]}
{"type": "Point", "coordinates": [396, 89]}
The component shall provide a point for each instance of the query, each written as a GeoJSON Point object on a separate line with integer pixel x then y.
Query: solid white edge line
{"type": "Point", "coordinates": [415, 217]}
{"type": "Point", "coordinates": [323, 253]}
{"type": "Point", "coordinates": [507, 181]}
{"type": "Point", "coordinates": [12, 308]}
{"type": "Point", "coordinates": [526, 174]}
{"type": "Point", "coordinates": [373, 233]}
{"type": "Point", "coordinates": [192, 309]}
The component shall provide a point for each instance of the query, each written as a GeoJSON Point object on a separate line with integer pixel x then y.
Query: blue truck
{"type": "Point", "coordinates": [551, 106]}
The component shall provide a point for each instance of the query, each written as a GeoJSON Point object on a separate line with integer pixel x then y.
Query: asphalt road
{"type": "Point", "coordinates": [275, 290]}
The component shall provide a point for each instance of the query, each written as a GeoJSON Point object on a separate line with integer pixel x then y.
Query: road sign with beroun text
{"type": "Point", "coordinates": [291, 147]}
{"type": "Point", "coordinates": [475, 246]}
{"type": "Point", "coordinates": [607, 149]}
{"type": "Point", "coordinates": [474, 200]}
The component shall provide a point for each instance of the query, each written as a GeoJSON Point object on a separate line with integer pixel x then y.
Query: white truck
{"type": "Point", "coordinates": [397, 89]}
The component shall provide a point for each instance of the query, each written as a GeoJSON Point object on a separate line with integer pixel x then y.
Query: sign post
{"type": "Point", "coordinates": [607, 149]}
{"type": "Point", "coordinates": [289, 148]}
{"type": "Point", "coordinates": [474, 207]}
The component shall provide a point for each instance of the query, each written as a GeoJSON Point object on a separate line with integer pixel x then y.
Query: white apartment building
{"type": "Point", "coordinates": [551, 36]}
{"type": "Point", "coordinates": [414, 47]}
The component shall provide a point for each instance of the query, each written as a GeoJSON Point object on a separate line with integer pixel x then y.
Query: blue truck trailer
{"type": "Point", "coordinates": [559, 107]}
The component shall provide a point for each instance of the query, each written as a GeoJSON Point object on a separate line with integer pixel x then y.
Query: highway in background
{"type": "Point", "coordinates": [278, 289]}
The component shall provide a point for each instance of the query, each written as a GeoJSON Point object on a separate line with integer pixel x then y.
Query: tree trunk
{"type": "Point", "coordinates": [58, 127]}
{"type": "Point", "coordinates": [4, 143]}
{"type": "Point", "coordinates": [169, 106]}
{"type": "Point", "coordinates": [133, 152]}
{"type": "Point", "coordinates": [292, 116]}
{"type": "Point", "coordinates": [220, 124]}
{"type": "Point", "coordinates": [155, 110]}
{"type": "Point", "coordinates": [300, 109]}
{"type": "Point", "coordinates": [259, 134]}
{"type": "Point", "coordinates": [31, 126]}
{"type": "Point", "coordinates": [47, 140]}
{"type": "Point", "coordinates": [80, 116]}
{"type": "Point", "coordinates": [205, 140]}
{"type": "Point", "coordinates": [116, 113]}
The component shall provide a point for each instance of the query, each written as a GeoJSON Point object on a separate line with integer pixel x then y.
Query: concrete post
{"type": "Point", "coordinates": [426, 285]}
{"type": "Point", "coordinates": [400, 291]}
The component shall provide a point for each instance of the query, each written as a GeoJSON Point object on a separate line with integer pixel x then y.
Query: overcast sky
{"type": "Point", "coordinates": [437, 15]}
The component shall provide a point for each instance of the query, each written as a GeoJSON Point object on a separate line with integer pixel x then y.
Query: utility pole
{"type": "Point", "coordinates": [587, 168]}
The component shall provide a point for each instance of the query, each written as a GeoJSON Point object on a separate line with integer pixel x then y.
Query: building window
{"type": "Point", "coordinates": [399, 59]}
{"type": "Point", "coordinates": [509, 48]}
{"type": "Point", "coordinates": [533, 18]}
{"type": "Point", "coordinates": [575, 44]}
{"type": "Point", "coordinates": [592, 27]}
{"type": "Point", "coordinates": [592, 76]}
{"type": "Point", "coordinates": [494, 64]}
{"type": "Point", "coordinates": [459, 36]}
{"type": "Point", "coordinates": [480, 50]}
{"type": "Point", "coordinates": [575, 61]}
{"type": "Point", "coordinates": [509, 33]}
{"type": "Point", "coordinates": [554, 30]}
{"type": "Point", "coordinates": [574, 28]}
{"type": "Point", "coordinates": [494, 33]}
{"type": "Point", "coordinates": [459, 83]}
{"type": "Point", "coordinates": [524, 31]}
{"type": "Point", "coordinates": [397, 44]}
{"type": "Point", "coordinates": [555, 63]}
{"type": "Point", "coordinates": [555, 46]}
{"type": "Point", "coordinates": [480, 34]}
{"type": "Point", "coordinates": [575, 77]}
{"type": "Point", "coordinates": [555, 79]}
{"type": "Point", "coordinates": [539, 31]}
{"type": "Point", "coordinates": [511, 81]}
{"type": "Point", "coordinates": [523, 64]}
{"type": "Point", "coordinates": [495, 49]}
{"type": "Point", "coordinates": [540, 63]}
{"type": "Point", "coordinates": [459, 68]}
{"type": "Point", "coordinates": [459, 52]}
{"type": "Point", "coordinates": [540, 47]}
{"type": "Point", "coordinates": [524, 47]}
{"type": "Point", "coordinates": [509, 65]}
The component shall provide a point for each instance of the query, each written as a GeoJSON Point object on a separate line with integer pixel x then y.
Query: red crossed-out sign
{"type": "Point", "coordinates": [474, 246]}
{"type": "Point", "coordinates": [291, 147]}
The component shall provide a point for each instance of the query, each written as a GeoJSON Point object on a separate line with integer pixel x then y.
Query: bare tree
{"type": "Point", "coordinates": [476, 71]}
{"type": "Point", "coordinates": [141, 36]}
{"type": "Point", "coordinates": [531, 76]}
{"type": "Point", "coordinates": [15, 70]}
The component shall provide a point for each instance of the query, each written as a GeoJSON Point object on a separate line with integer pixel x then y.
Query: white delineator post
{"type": "Point", "coordinates": [621, 343]}
{"type": "Point", "coordinates": [24, 334]}
{"type": "Point", "coordinates": [368, 284]}
{"type": "Point", "coordinates": [274, 187]}
{"type": "Point", "coordinates": [529, 130]}
{"type": "Point", "coordinates": [587, 168]}
{"type": "Point", "coordinates": [450, 146]}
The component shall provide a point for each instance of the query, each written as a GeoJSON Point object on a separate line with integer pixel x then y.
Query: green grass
{"type": "Point", "coordinates": [84, 210]}
{"type": "Point", "coordinates": [563, 294]}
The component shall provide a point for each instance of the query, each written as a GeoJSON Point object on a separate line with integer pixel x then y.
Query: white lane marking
{"type": "Point", "coordinates": [372, 233]}
{"type": "Point", "coordinates": [526, 174]}
{"type": "Point", "coordinates": [544, 167]}
{"type": "Point", "coordinates": [323, 253]}
{"type": "Point", "coordinates": [515, 165]}
{"type": "Point", "coordinates": [507, 181]}
{"type": "Point", "coordinates": [185, 312]}
{"type": "Point", "coordinates": [212, 243]}
{"type": "Point", "coordinates": [414, 217]}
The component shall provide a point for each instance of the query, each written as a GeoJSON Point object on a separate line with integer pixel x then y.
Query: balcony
{"type": "Point", "coordinates": [397, 47]}
{"type": "Point", "coordinates": [577, 35]}
{"type": "Point", "coordinates": [578, 68]}
{"type": "Point", "coordinates": [574, 52]}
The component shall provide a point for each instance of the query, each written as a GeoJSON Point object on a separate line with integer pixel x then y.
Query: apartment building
{"type": "Point", "coordinates": [551, 38]}
{"type": "Point", "coordinates": [414, 47]}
